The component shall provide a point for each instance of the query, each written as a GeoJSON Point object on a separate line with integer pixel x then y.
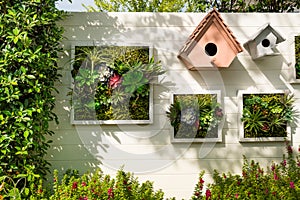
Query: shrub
{"type": "Point", "coordinates": [29, 46]}
{"type": "Point", "coordinates": [100, 186]}
{"type": "Point", "coordinates": [279, 181]}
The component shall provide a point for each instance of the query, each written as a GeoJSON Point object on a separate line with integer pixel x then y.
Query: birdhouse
{"type": "Point", "coordinates": [264, 42]}
{"type": "Point", "coordinates": [211, 44]}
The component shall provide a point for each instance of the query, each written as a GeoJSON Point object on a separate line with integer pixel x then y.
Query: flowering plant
{"type": "Point", "coordinates": [195, 115]}
{"type": "Point", "coordinates": [266, 115]}
{"type": "Point", "coordinates": [279, 181]}
{"type": "Point", "coordinates": [97, 185]}
{"type": "Point", "coordinates": [113, 83]}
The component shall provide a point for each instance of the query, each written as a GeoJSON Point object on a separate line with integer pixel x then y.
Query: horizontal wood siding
{"type": "Point", "coordinates": [147, 150]}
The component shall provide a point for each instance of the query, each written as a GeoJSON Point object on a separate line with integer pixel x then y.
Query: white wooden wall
{"type": "Point", "coordinates": [147, 150]}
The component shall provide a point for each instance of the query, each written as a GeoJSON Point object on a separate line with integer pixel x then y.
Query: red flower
{"type": "Point", "coordinates": [275, 176]}
{"type": "Point", "coordinates": [208, 194]}
{"type": "Point", "coordinates": [74, 186]}
{"type": "Point", "coordinates": [201, 181]}
{"type": "Point", "coordinates": [236, 196]}
{"type": "Point", "coordinates": [292, 185]}
{"type": "Point", "coordinates": [83, 183]}
{"type": "Point", "coordinates": [115, 80]}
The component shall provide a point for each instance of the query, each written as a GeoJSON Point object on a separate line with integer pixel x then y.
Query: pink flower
{"type": "Point", "coordinates": [110, 193]}
{"type": "Point", "coordinates": [275, 176]}
{"type": "Point", "coordinates": [292, 185]}
{"type": "Point", "coordinates": [83, 183]}
{"type": "Point", "coordinates": [208, 194]}
{"type": "Point", "coordinates": [273, 167]}
{"type": "Point", "coordinates": [236, 196]}
{"type": "Point", "coordinates": [115, 80]}
{"type": "Point", "coordinates": [284, 162]}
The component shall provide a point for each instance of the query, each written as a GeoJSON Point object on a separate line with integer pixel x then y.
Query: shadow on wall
{"type": "Point", "coordinates": [69, 150]}
{"type": "Point", "coordinates": [147, 148]}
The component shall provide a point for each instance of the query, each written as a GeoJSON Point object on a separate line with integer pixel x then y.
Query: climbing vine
{"type": "Point", "coordinates": [29, 47]}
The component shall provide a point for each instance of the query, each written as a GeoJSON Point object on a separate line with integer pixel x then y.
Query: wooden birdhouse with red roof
{"type": "Point", "coordinates": [211, 44]}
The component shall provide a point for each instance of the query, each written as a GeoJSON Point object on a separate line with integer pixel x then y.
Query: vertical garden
{"type": "Point", "coordinates": [29, 47]}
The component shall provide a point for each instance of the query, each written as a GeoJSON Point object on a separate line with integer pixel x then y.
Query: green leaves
{"type": "Point", "coordinates": [29, 39]}
{"type": "Point", "coordinates": [266, 115]}
{"type": "Point", "coordinates": [133, 80]}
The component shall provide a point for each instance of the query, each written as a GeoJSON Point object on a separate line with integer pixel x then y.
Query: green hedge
{"type": "Point", "coordinates": [29, 45]}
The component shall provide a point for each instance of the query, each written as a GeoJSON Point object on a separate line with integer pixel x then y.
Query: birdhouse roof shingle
{"type": "Point", "coordinates": [267, 27]}
{"type": "Point", "coordinates": [212, 16]}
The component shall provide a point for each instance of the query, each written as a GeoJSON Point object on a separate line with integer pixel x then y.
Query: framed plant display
{"type": "Point", "coordinates": [196, 117]}
{"type": "Point", "coordinates": [297, 56]}
{"type": "Point", "coordinates": [113, 84]}
{"type": "Point", "coordinates": [265, 116]}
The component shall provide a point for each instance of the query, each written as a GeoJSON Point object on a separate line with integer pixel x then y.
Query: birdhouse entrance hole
{"type": "Point", "coordinates": [211, 49]}
{"type": "Point", "coordinates": [265, 43]}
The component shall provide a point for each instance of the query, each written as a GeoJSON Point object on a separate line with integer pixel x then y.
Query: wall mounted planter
{"type": "Point", "coordinates": [297, 58]}
{"type": "Point", "coordinates": [264, 42]}
{"type": "Point", "coordinates": [212, 44]}
{"type": "Point", "coordinates": [108, 87]}
{"type": "Point", "coordinates": [264, 116]}
{"type": "Point", "coordinates": [196, 117]}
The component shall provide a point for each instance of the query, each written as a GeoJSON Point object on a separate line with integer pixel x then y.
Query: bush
{"type": "Point", "coordinates": [29, 46]}
{"type": "Point", "coordinates": [100, 186]}
{"type": "Point", "coordinates": [279, 181]}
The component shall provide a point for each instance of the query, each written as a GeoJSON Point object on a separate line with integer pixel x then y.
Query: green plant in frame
{"type": "Point", "coordinates": [297, 56]}
{"type": "Point", "coordinates": [267, 115]}
{"type": "Point", "coordinates": [195, 115]}
{"type": "Point", "coordinates": [117, 85]}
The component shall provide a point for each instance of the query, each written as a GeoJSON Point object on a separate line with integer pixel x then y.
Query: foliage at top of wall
{"type": "Point", "coordinates": [194, 6]}
{"type": "Point", "coordinates": [29, 46]}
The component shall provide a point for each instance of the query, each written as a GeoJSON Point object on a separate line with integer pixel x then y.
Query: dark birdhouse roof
{"type": "Point", "coordinates": [267, 28]}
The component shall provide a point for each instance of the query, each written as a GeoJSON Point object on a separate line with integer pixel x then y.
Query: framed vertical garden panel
{"type": "Point", "coordinates": [265, 116]}
{"type": "Point", "coordinates": [112, 84]}
{"type": "Point", "coordinates": [297, 58]}
{"type": "Point", "coordinates": [196, 117]}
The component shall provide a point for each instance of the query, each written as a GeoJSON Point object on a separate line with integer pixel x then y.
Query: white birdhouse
{"type": "Point", "coordinates": [264, 42]}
